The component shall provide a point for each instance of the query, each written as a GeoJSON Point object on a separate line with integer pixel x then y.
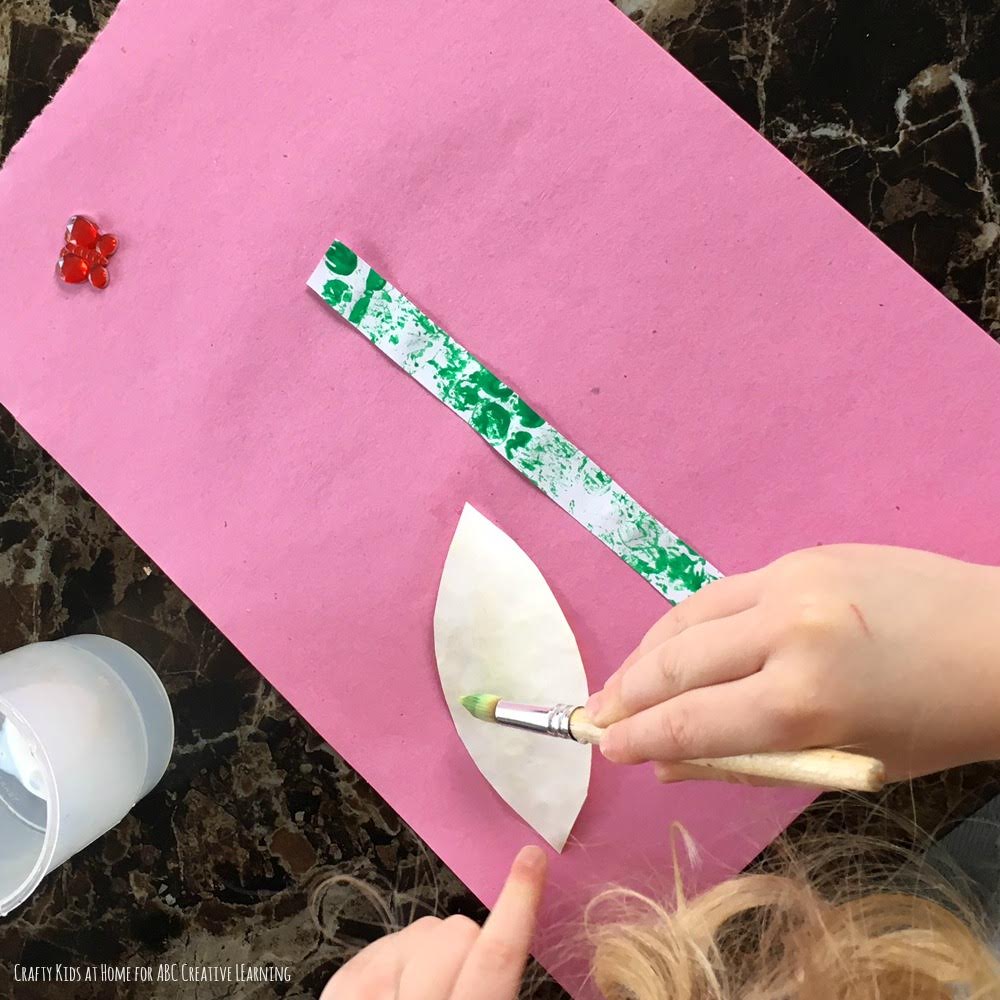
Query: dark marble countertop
{"type": "Point", "coordinates": [892, 108]}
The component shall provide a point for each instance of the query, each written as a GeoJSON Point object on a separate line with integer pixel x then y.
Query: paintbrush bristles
{"type": "Point", "coordinates": [481, 706]}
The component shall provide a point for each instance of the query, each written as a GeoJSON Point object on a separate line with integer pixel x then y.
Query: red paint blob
{"type": "Point", "coordinates": [86, 253]}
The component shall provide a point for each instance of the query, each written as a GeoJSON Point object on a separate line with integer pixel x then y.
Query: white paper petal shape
{"type": "Point", "coordinates": [498, 629]}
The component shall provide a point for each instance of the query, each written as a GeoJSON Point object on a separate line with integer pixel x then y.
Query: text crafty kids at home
{"type": "Point", "coordinates": [164, 973]}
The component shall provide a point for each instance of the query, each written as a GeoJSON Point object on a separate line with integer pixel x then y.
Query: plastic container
{"type": "Point", "coordinates": [95, 726]}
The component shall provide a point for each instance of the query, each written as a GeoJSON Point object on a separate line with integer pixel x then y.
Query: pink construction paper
{"type": "Point", "coordinates": [579, 212]}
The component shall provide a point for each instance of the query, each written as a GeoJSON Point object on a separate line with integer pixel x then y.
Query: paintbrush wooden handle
{"type": "Point", "coordinates": [816, 768]}
{"type": "Point", "coordinates": [583, 730]}
{"type": "Point", "coordinates": [819, 768]}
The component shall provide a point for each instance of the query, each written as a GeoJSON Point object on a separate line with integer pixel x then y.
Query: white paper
{"type": "Point", "coordinates": [498, 629]}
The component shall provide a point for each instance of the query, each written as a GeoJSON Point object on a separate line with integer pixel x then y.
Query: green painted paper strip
{"type": "Point", "coordinates": [536, 449]}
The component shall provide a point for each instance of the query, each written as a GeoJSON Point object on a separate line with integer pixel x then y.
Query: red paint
{"type": "Point", "coordinates": [85, 255]}
{"type": "Point", "coordinates": [861, 620]}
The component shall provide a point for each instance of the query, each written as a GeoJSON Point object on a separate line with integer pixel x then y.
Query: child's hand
{"type": "Point", "coordinates": [892, 652]}
{"type": "Point", "coordinates": [453, 959]}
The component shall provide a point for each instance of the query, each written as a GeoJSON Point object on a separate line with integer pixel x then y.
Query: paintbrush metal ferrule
{"type": "Point", "coordinates": [817, 768]}
{"type": "Point", "coordinates": [552, 721]}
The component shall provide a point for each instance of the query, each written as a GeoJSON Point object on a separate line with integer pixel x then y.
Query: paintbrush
{"type": "Point", "coordinates": [834, 769]}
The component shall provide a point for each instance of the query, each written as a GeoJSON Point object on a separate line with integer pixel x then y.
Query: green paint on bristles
{"type": "Point", "coordinates": [481, 706]}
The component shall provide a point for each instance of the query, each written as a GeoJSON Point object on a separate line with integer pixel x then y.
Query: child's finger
{"type": "Point", "coordinates": [710, 653]}
{"type": "Point", "coordinates": [728, 596]}
{"type": "Point", "coordinates": [496, 962]}
{"type": "Point", "coordinates": [382, 962]}
{"type": "Point", "coordinates": [430, 973]}
{"type": "Point", "coordinates": [719, 721]}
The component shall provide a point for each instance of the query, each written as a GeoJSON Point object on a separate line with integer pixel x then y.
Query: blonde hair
{"type": "Point", "coordinates": [850, 917]}
{"type": "Point", "coordinates": [813, 927]}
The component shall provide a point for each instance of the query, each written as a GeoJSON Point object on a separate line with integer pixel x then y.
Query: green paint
{"type": "Point", "coordinates": [360, 308]}
{"type": "Point", "coordinates": [547, 460]}
{"type": "Point", "coordinates": [341, 259]}
{"type": "Point", "coordinates": [492, 421]}
{"type": "Point", "coordinates": [450, 359]}
{"type": "Point", "coordinates": [373, 283]}
{"type": "Point", "coordinates": [481, 706]}
{"type": "Point", "coordinates": [517, 440]}
{"type": "Point", "coordinates": [336, 291]}
{"type": "Point", "coordinates": [536, 449]}
{"type": "Point", "coordinates": [595, 480]}
{"type": "Point", "coordinates": [463, 393]}
{"type": "Point", "coordinates": [689, 569]}
{"type": "Point", "coordinates": [527, 415]}
{"type": "Point", "coordinates": [490, 384]}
